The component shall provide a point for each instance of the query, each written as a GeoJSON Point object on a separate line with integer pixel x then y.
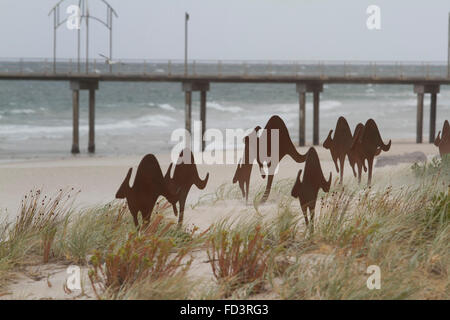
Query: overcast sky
{"type": "Point", "coordinates": [238, 29]}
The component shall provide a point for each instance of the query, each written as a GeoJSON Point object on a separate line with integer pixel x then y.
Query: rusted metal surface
{"type": "Point", "coordinates": [245, 165]}
{"type": "Point", "coordinates": [369, 144]}
{"type": "Point", "coordinates": [355, 153]}
{"type": "Point", "coordinates": [306, 189]}
{"type": "Point", "coordinates": [339, 145]}
{"type": "Point", "coordinates": [148, 185]}
{"type": "Point", "coordinates": [185, 175]}
{"type": "Point", "coordinates": [443, 143]}
{"type": "Point", "coordinates": [285, 147]}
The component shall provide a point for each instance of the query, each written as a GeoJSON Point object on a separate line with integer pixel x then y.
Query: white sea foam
{"type": "Point", "coordinates": [145, 121]}
{"type": "Point", "coordinates": [21, 111]}
{"type": "Point", "coordinates": [219, 107]}
{"type": "Point", "coordinates": [9, 130]}
{"type": "Point", "coordinates": [330, 104]}
{"type": "Point", "coordinates": [157, 120]}
{"type": "Point", "coordinates": [402, 103]}
{"type": "Point", "coordinates": [166, 106]}
{"type": "Point", "coordinates": [27, 131]}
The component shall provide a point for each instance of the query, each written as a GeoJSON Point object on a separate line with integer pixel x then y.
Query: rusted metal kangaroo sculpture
{"type": "Point", "coordinates": [339, 145]}
{"type": "Point", "coordinates": [306, 190]}
{"type": "Point", "coordinates": [285, 147]}
{"type": "Point", "coordinates": [245, 165]}
{"type": "Point", "coordinates": [370, 145]}
{"type": "Point", "coordinates": [185, 175]}
{"type": "Point", "coordinates": [355, 153]}
{"type": "Point", "coordinates": [148, 185]}
{"type": "Point", "coordinates": [443, 143]}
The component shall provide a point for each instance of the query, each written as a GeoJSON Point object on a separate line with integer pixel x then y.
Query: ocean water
{"type": "Point", "coordinates": [138, 118]}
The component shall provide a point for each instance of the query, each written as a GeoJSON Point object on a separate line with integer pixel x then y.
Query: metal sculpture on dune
{"type": "Point", "coordinates": [355, 153]}
{"type": "Point", "coordinates": [148, 185]}
{"type": "Point", "coordinates": [271, 159]}
{"type": "Point", "coordinates": [185, 175]}
{"type": "Point", "coordinates": [245, 165]}
{"type": "Point", "coordinates": [443, 143]}
{"type": "Point", "coordinates": [369, 145]}
{"type": "Point", "coordinates": [306, 190]}
{"type": "Point", "coordinates": [339, 145]}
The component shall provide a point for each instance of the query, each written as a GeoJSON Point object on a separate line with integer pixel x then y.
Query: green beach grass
{"type": "Point", "coordinates": [405, 230]}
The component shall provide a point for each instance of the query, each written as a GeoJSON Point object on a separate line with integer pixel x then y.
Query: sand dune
{"type": "Point", "coordinates": [99, 177]}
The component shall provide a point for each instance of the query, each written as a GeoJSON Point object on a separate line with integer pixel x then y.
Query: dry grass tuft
{"type": "Point", "coordinates": [238, 258]}
{"type": "Point", "coordinates": [145, 256]}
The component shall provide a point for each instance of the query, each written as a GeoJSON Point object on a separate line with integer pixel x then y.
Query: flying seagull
{"type": "Point", "coordinates": [108, 60]}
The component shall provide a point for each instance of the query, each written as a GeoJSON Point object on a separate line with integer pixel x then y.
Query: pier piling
{"type": "Point", "coordinates": [421, 90]}
{"type": "Point", "coordinates": [75, 121]}
{"type": "Point", "coordinates": [203, 116]}
{"type": "Point", "coordinates": [302, 89]}
{"type": "Point", "coordinates": [91, 145]}
{"type": "Point", "coordinates": [419, 118]}
{"type": "Point", "coordinates": [188, 88]}
{"type": "Point", "coordinates": [302, 122]}
{"type": "Point", "coordinates": [433, 118]}
{"type": "Point", "coordinates": [316, 96]}
{"type": "Point", "coordinates": [76, 86]}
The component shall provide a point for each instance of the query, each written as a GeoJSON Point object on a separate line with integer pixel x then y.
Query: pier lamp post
{"type": "Point", "coordinates": [83, 13]}
{"type": "Point", "coordinates": [186, 19]}
{"type": "Point", "coordinates": [448, 49]}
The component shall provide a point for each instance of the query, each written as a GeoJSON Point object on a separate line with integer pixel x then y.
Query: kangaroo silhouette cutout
{"type": "Point", "coordinates": [245, 165]}
{"type": "Point", "coordinates": [443, 143]}
{"type": "Point", "coordinates": [339, 145]}
{"type": "Point", "coordinates": [285, 147]}
{"type": "Point", "coordinates": [185, 175]}
{"type": "Point", "coordinates": [148, 185]}
{"type": "Point", "coordinates": [355, 156]}
{"type": "Point", "coordinates": [306, 190]}
{"type": "Point", "coordinates": [370, 145]}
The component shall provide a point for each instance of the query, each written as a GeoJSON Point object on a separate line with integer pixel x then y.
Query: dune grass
{"type": "Point", "coordinates": [404, 230]}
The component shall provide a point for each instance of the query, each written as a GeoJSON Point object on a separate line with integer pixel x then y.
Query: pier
{"type": "Point", "coordinates": [307, 77]}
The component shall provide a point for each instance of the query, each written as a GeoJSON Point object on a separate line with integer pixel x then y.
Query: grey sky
{"type": "Point", "coordinates": [239, 29]}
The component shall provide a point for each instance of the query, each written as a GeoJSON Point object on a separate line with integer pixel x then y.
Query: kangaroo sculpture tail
{"type": "Point", "coordinates": [201, 184]}
{"type": "Point", "coordinates": [437, 141]}
{"type": "Point", "coordinates": [386, 147]}
{"type": "Point", "coordinates": [237, 172]}
{"type": "Point", "coordinates": [297, 156]}
{"type": "Point", "coordinates": [169, 169]}
{"type": "Point", "coordinates": [326, 184]}
{"type": "Point", "coordinates": [268, 187]}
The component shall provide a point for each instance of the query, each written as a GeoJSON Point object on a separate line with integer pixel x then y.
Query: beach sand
{"type": "Point", "coordinates": [98, 178]}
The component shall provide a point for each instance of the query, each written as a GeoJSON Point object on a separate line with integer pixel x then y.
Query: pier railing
{"type": "Point", "coordinates": [218, 68]}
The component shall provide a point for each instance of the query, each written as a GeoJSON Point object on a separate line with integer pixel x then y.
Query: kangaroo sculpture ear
{"type": "Point", "coordinates": [125, 186]}
{"type": "Point", "coordinates": [296, 187]}
{"type": "Point", "coordinates": [237, 172]}
{"type": "Point", "coordinates": [437, 141]}
{"type": "Point", "coordinates": [128, 177]}
{"type": "Point", "coordinates": [167, 175]}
